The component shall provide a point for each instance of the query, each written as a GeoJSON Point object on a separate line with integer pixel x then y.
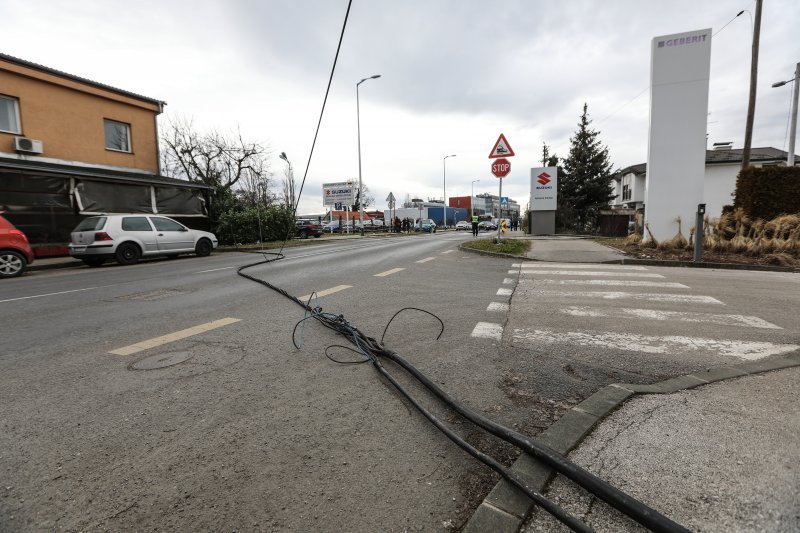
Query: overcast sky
{"type": "Point", "coordinates": [454, 75]}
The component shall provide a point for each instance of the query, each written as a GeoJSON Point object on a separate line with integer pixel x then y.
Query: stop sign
{"type": "Point", "coordinates": [501, 167]}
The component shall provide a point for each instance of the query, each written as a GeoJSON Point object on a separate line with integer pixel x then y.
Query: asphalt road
{"type": "Point", "coordinates": [242, 430]}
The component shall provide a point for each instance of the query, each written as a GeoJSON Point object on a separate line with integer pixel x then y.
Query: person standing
{"type": "Point", "coordinates": [474, 225]}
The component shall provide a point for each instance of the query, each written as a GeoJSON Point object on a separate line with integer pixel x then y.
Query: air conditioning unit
{"type": "Point", "coordinates": [29, 146]}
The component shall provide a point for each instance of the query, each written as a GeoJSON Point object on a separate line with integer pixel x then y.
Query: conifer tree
{"type": "Point", "coordinates": [585, 186]}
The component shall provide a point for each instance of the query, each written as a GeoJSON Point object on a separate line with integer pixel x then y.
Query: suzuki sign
{"type": "Point", "coordinates": [544, 189]}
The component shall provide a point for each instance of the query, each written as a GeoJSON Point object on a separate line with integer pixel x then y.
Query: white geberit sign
{"type": "Point", "coordinates": [544, 189]}
{"type": "Point", "coordinates": [343, 191]}
{"type": "Point", "coordinates": [676, 152]}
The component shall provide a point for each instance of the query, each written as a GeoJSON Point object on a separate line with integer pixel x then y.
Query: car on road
{"type": "Point", "coordinates": [425, 224]}
{"type": "Point", "coordinates": [304, 229]}
{"type": "Point", "coordinates": [127, 238]}
{"type": "Point", "coordinates": [487, 225]}
{"type": "Point", "coordinates": [463, 225]}
{"type": "Point", "coordinates": [15, 250]}
{"type": "Point", "coordinates": [345, 226]}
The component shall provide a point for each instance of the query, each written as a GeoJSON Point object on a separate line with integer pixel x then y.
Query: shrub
{"type": "Point", "coordinates": [243, 224]}
{"type": "Point", "coordinates": [768, 192]}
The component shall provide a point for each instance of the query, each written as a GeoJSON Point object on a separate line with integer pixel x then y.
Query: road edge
{"type": "Point", "coordinates": [505, 508]}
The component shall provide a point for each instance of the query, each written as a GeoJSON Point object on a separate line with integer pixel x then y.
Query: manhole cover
{"type": "Point", "coordinates": [161, 360]}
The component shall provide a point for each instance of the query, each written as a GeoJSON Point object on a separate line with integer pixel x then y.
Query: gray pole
{"type": "Point", "coordinates": [793, 126]}
{"type": "Point", "coordinates": [499, 211]}
{"type": "Point", "coordinates": [444, 189]}
{"type": "Point", "coordinates": [358, 126]}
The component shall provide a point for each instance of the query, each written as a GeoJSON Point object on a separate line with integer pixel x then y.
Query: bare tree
{"type": "Point", "coordinates": [368, 198]}
{"type": "Point", "coordinates": [215, 159]}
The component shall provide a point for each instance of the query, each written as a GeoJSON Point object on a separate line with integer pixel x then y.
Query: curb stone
{"type": "Point", "coordinates": [505, 508]}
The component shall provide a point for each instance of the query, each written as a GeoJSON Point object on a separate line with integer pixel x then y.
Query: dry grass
{"type": "Point", "coordinates": [776, 240]}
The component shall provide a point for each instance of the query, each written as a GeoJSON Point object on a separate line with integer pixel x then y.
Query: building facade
{"type": "Point", "coordinates": [719, 184]}
{"type": "Point", "coordinates": [71, 147]}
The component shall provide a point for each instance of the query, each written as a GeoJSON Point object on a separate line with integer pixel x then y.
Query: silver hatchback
{"type": "Point", "coordinates": [127, 238]}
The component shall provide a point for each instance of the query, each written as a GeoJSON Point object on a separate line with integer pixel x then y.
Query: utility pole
{"type": "Point", "coordinates": [751, 106]}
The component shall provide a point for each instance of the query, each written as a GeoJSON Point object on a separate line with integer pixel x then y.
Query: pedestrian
{"type": "Point", "coordinates": [474, 225]}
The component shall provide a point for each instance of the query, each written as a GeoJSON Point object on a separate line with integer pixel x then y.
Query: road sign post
{"type": "Point", "coordinates": [501, 168]}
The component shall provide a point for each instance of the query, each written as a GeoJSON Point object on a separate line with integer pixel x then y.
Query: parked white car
{"type": "Point", "coordinates": [127, 238]}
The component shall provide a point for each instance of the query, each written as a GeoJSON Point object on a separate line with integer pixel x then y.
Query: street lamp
{"type": "Point", "coordinates": [793, 125]}
{"type": "Point", "coordinates": [358, 125]}
{"type": "Point", "coordinates": [472, 199]}
{"type": "Point", "coordinates": [444, 187]}
{"type": "Point", "coordinates": [290, 182]}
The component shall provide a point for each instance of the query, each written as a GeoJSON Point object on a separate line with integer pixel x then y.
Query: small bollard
{"type": "Point", "coordinates": [698, 233]}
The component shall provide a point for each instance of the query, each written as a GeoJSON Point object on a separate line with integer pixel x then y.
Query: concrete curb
{"type": "Point", "coordinates": [463, 248]}
{"type": "Point", "coordinates": [505, 508]}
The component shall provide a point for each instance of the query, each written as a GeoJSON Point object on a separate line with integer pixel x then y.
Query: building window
{"type": "Point", "coordinates": [118, 135]}
{"type": "Point", "coordinates": [9, 115]}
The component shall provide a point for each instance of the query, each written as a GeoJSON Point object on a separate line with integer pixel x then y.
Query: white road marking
{"type": "Point", "coordinates": [172, 337]}
{"type": "Point", "coordinates": [680, 316]}
{"type": "Point", "coordinates": [325, 292]}
{"type": "Point", "coordinates": [504, 292]}
{"type": "Point", "coordinates": [389, 272]}
{"type": "Point", "coordinates": [748, 350]}
{"type": "Point", "coordinates": [448, 252]}
{"type": "Point", "coordinates": [592, 273]}
{"type": "Point", "coordinates": [574, 266]}
{"type": "Point", "coordinates": [426, 260]}
{"type": "Point", "coordinates": [52, 294]}
{"type": "Point", "coordinates": [215, 269]}
{"type": "Point", "coordinates": [497, 306]}
{"type": "Point", "coordinates": [488, 330]}
{"type": "Point", "coordinates": [507, 281]}
{"type": "Point", "coordinates": [612, 283]}
{"type": "Point", "coordinates": [620, 295]}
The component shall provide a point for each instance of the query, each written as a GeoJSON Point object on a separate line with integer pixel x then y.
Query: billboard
{"type": "Point", "coordinates": [676, 150]}
{"type": "Point", "coordinates": [544, 189]}
{"type": "Point", "coordinates": [341, 192]}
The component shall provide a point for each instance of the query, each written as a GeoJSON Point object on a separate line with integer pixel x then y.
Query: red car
{"type": "Point", "coordinates": [15, 250]}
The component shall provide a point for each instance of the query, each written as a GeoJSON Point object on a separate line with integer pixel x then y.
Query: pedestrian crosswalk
{"type": "Point", "coordinates": [626, 309]}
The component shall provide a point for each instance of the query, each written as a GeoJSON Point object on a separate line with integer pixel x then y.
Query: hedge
{"type": "Point", "coordinates": [768, 192]}
{"type": "Point", "coordinates": [244, 225]}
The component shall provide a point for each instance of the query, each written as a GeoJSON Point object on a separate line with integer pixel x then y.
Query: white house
{"type": "Point", "coordinates": [722, 166]}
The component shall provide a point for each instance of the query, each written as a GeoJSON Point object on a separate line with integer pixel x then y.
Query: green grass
{"type": "Point", "coordinates": [518, 247]}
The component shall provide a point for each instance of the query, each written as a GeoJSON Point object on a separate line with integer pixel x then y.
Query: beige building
{"type": "Point", "coordinates": [71, 147]}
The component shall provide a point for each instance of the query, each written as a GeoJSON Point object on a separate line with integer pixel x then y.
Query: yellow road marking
{"type": "Point", "coordinates": [426, 260]}
{"type": "Point", "coordinates": [388, 272]}
{"type": "Point", "coordinates": [172, 337]}
{"type": "Point", "coordinates": [325, 292]}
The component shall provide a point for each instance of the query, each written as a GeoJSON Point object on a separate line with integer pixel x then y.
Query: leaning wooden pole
{"type": "Point", "coordinates": [751, 106]}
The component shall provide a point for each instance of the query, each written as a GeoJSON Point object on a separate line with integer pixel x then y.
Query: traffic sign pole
{"type": "Point", "coordinates": [499, 210]}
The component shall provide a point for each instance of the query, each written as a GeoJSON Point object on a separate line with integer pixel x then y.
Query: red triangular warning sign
{"type": "Point", "coordinates": [501, 148]}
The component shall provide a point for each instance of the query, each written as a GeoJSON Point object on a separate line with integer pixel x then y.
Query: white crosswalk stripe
{"type": "Point", "coordinates": [623, 295]}
{"type": "Point", "coordinates": [577, 266]}
{"type": "Point", "coordinates": [601, 273]}
{"type": "Point", "coordinates": [612, 283]}
{"type": "Point", "coordinates": [651, 344]}
{"type": "Point", "coordinates": [680, 316]}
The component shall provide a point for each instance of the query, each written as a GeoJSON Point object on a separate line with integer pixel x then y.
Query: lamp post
{"type": "Point", "coordinates": [358, 125]}
{"type": "Point", "coordinates": [444, 187]}
{"type": "Point", "coordinates": [472, 198]}
{"type": "Point", "coordinates": [793, 125]}
{"type": "Point", "coordinates": [289, 182]}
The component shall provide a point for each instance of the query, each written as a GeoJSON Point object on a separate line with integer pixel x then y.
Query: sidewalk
{"type": "Point", "coordinates": [713, 451]}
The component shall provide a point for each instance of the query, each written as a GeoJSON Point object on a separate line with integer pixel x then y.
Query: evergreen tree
{"type": "Point", "coordinates": [585, 186]}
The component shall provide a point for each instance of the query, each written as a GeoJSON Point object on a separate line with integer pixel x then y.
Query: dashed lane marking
{"type": "Point", "coordinates": [508, 281]}
{"type": "Point", "coordinates": [172, 337]}
{"type": "Point", "coordinates": [488, 330]}
{"type": "Point", "coordinates": [591, 273]}
{"type": "Point", "coordinates": [325, 292]}
{"type": "Point", "coordinates": [426, 260]}
{"type": "Point", "coordinates": [621, 295]}
{"type": "Point", "coordinates": [448, 252]}
{"type": "Point", "coordinates": [612, 283]}
{"type": "Point", "coordinates": [748, 350]}
{"type": "Point", "coordinates": [216, 269]}
{"type": "Point", "coordinates": [389, 272]}
{"type": "Point", "coordinates": [497, 306]}
{"type": "Point", "coordinates": [574, 266]}
{"type": "Point", "coordinates": [504, 292]}
{"type": "Point", "coordinates": [680, 316]}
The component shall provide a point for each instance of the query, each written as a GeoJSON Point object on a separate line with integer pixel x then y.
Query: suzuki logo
{"type": "Point", "coordinates": [544, 178]}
